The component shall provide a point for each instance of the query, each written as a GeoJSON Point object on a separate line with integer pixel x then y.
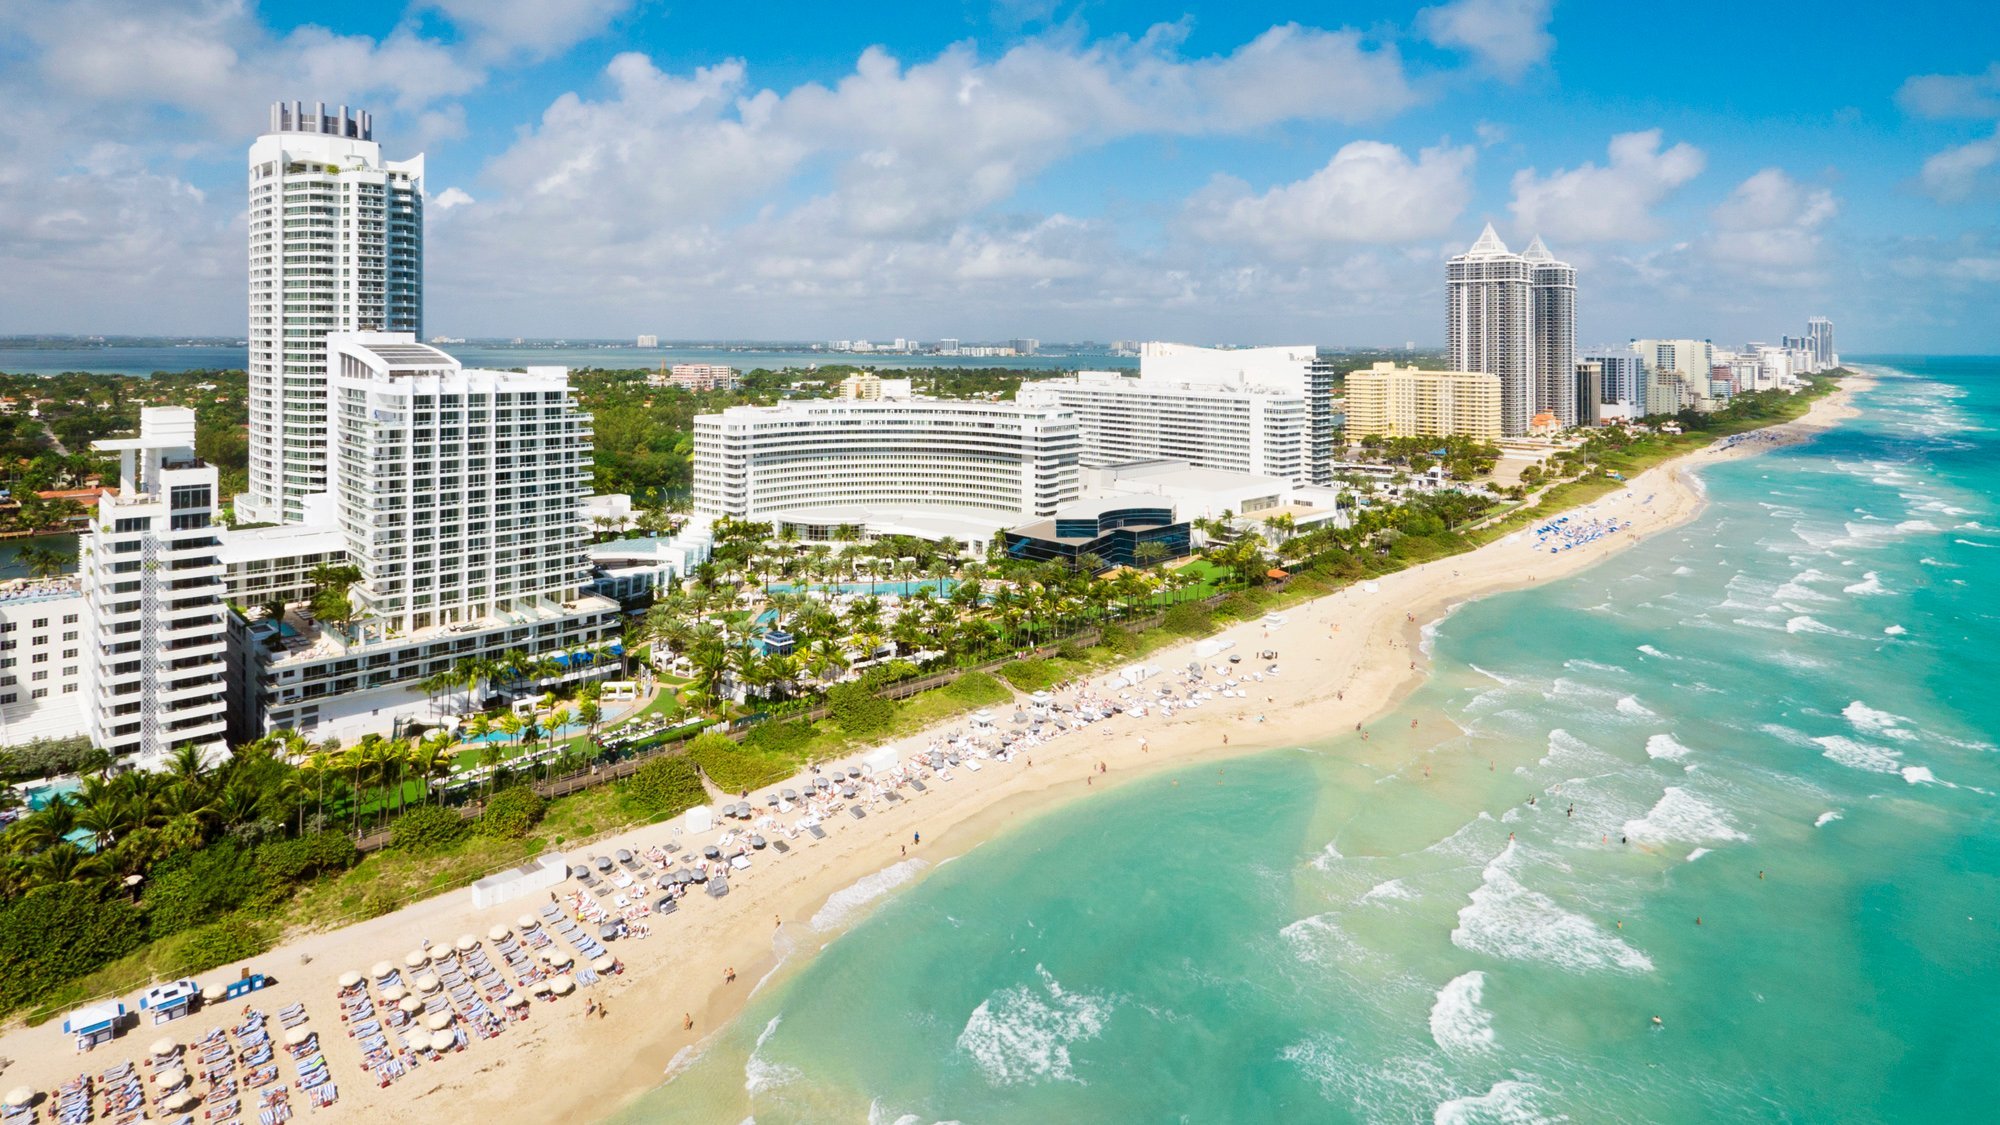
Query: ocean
{"type": "Point", "coordinates": [146, 360]}
{"type": "Point", "coordinates": [1740, 778]}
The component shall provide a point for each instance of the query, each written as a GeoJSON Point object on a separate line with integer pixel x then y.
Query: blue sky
{"type": "Point", "coordinates": [1241, 172]}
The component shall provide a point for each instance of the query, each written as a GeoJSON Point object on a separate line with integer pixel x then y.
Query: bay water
{"type": "Point", "coordinates": [1703, 833]}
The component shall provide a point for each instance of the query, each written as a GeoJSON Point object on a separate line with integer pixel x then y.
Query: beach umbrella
{"type": "Point", "coordinates": [215, 993]}
{"type": "Point", "coordinates": [624, 856]}
{"type": "Point", "coordinates": [579, 871]}
{"type": "Point", "coordinates": [515, 999]}
{"type": "Point", "coordinates": [789, 794]}
{"type": "Point", "coordinates": [349, 979]}
{"type": "Point", "coordinates": [605, 963]}
{"type": "Point", "coordinates": [296, 1036]}
{"type": "Point", "coordinates": [186, 1099]}
{"type": "Point", "coordinates": [499, 932]}
{"type": "Point", "coordinates": [526, 922]}
{"type": "Point", "coordinates": [20, 1096]}
{"type": "Point", "coordinates": [607, 932]}
{"type": "Point", "coordinates": [171, 1078]}
{"type": "Point", "coordinates": [394, 993]}
{"type": "Point", "coordinates": [604, 863]}
{"type": "Point", "coordinates": [854, 771]}
{"type": "Point", "coordinates": [467, 943]}
{"type": "Point", "coordinates": [426, 982]}
{"type": "Point", "coordinates": [410, 1005]}
{"type": "Point", "coordinates": [165, 1046]}
{"type": "Point", "coordinates": [562, 960]}
{"type": "Point", "coordinates": [381, 969]}
{"type": "Point", "coordinates": [417, 959]}
{"type": "Point", "coordinates": [443, 1040]}
{"type": "Point", "coordinates": [438, 1021]}
{"type": "Point", "coordinates": [563, 985]}
{"type": "Point", "coordinates": [442, 947]}
{"type": "Point", "coordinates": [1020, 716]}
{"type": "Point", "coordinates": [540, 987]}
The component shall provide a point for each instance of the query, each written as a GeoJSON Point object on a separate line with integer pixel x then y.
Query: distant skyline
{"type": "Point", "coordinates": [1207, 172]}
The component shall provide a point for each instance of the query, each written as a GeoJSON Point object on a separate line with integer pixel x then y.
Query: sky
{"type": "Point", "coordinates": [1212, 172]}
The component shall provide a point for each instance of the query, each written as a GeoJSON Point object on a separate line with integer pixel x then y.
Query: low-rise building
{"type": "Point", "coordinates": [1388, 400]}
{"type": "Point", "coordinates": [1110, 529]}
{"type": "Point", "coordinates": [43, 657]}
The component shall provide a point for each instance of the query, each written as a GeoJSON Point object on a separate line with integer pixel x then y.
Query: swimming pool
{"type": "Point", "coordinates": [611, 714]}
{"type": "Point", "coordinates": [939, 586]}
{"type": "Point", "coordinates": [42, 795]}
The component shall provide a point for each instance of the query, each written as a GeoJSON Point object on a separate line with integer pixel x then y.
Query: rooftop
{"type": "Point", "coordinates": [303, 639]}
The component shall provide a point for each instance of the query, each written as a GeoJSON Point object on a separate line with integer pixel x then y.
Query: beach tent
{"type": "Point", "coordinates": [95, 1024]}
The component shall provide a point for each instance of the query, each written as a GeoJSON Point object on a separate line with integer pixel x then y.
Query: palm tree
{"type": "Point", "coordinates": [42, 562]}
{"type": "Point", "coordinates": [589, 712]}
{"type": "Point", "coordinates": [64, 863]}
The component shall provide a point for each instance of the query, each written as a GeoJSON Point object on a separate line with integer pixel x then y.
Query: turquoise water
{"type": "Point", "coordinates": [940, 587]}
{"type": "Point", "coordinates": [1778, 720]}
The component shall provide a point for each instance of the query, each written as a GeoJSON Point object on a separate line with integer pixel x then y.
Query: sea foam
{"type": "Point", "coordinates": [1505, 919]}
{"type": "Point", "coordinates": [1826, 818]}
{"type": "Point", "coordinates": [1630, 705]}
{"type": "Point", "coordinates": [1024, 1034]}
{"type": "Point", "coordinates": [843, 904]}
{"type": "Point", "coordinates": [1869, 721]}
{"type": "Point", "coordinates": [1859, 755]}
{"type": "Point", "coordinates": [1870, 584]}
{"type": "Point", "coordinates": [1665, 746]}
{"type": "Point", "coordinates": [1680, 816]}
{"type": "Point", "coordinates": [1458, 1024]}
{"type": "Point", "coordinates": [1506, 1103]}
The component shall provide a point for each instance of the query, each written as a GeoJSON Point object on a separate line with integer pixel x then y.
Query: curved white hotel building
{"type": "Point", "coordinates": [916, 465]}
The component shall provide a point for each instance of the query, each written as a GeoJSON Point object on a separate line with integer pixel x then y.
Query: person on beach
{"type": "Point", "coordinates": [687, 1021]}
{"type": "Point", "coordinates": [729, 975]}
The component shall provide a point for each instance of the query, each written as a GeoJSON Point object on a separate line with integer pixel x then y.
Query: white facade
{"type": "Point", "coordinates": [1553, 288]}
{"type": "Point", "coordinates": [42, 661]}
{"type": "Point", "coordinates": [1289, 369]}
{"type": "Point", "coordinates": [153, 590]}
{"type": "Point", "coordinates": [263, 565]}
{"type": "Point", "coordinates": [987, 459]}
{"type": "Point", "coordinates": [1691, 361]}
{"type": "Point", "coordinates": [336, 245]}
{"type": "Point", "coordinates": [1819, 344]}
{"type": "Point", "coordinates": [1211, 424]}
{"type": "Point", "coordinates": [1514, 316]}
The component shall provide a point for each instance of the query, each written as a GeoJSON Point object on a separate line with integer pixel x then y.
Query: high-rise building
{"type": "Point", "coordinates": [1624, 380]}
{"type": "Point", "coordinates": [1490, 300]}
{"type": "Point", "coordinates": [1691, 362]}
{"type": "Point", "coordinates": [1514, 316]}
{"type": "Point", "coordinates": [1210, 425]}
{"type": "Point", "coordinates": [1819, 342]}
{"type": "Point", "coordinates": [1391, 401]}
{"type": "Point", "coordinates": [152, 596]}
{"type": "Point", "coordinates": [336, 245]}
{"type": "Point", "coordinates": [1589, 392]}
{"type": "Point", "coordinates": [1553, 286]}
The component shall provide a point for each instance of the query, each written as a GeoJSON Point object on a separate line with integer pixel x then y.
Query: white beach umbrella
{"type": "Point", "coordinates": [563, 985]}
{"type": "Point", "coordinates": [183, 1100]}
{"type": "Point", "coordinates": [381, 969]}
{"type": "Point", "coordinates": [438, 1021]}
{"type": "Point", "coordinates": [165, 1045]}
{"type": "Point", "coordinates": [443, 1040]}
{"type": "Point", "coordinates": [349, 979]}
{"type": "Point", "coordinates": [516, 1000]}
{"type": "Point", "coordinates": [296, 1036]}
{"type": "Point", "coordinates": [605, 963]}
{"type": "Point", "coordinates": [526, 922]}
{"type": "Point", "coordinates": [466, 943]}
{"type": "Point", "coordinates": [562, 960]}
{"type": "Point", "coordinates": [20, 1096]}
{"type": "Point", "coordinates": [540, 987]}
{"type": "Point", "coordinates": [171, 1077]}
{"type": "Point", "coordinates": [499, 933]}
{"type": "Point", "coordinates": [410, 1005]}
{"type": "Point", "coordinates": [417, 959]}
{"type": "Point", "coordinates": [215, 993]}
{"type": "Point", "coordinates": [427, 982]}
{"type": "Point", "coordinates": [394, 993]}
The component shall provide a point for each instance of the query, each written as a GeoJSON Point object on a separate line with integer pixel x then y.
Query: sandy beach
{"type": "Point", "coordinates": [1346, 659]}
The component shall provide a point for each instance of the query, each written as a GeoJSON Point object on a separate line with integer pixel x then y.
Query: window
{"type": "Point", "coordinates": [41, 675]}
{"type": "Point", "coordinates": [70, 619]}
{"type": "Point", "coordinates": [40, 623]}
{"type": "Point", "coordinates": [39, 693]}
{"type": "Point", "coordinates": [9, 697]}
{"type": "Point", "coordinates": [70, 636]}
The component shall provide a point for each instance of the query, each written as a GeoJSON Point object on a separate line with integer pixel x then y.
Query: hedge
{"type": "Point", "coordinates": [664, 787]}
{"type": "Point", "coordinates": [512, 813]}
{"type": "Point", "coordinates": [54, 934]}
{"type": "Point", "coordinates": [427, 830]}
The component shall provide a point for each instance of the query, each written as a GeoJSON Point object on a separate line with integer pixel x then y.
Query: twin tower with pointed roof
{"type": "Point", "coordinates": [1514, 316]}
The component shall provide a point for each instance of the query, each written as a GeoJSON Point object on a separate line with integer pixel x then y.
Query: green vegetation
{"type": "Point", "coordinates": [664, 787]}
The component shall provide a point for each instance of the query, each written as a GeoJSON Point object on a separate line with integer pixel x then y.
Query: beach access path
{"type": "Point", "coordinates": [1346, 658]}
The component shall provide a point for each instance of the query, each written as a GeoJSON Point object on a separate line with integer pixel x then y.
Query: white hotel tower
{"type": "Point", "coordinates": [1514, 315]}
{"type": "Point", "coordinates": [336, 245]}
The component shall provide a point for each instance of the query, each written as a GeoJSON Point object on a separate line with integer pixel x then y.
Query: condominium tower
{"type": "Point", "coordinates": [1390, 401]}
{"type": "Point", "coordinates": [336, 245]}
{"type": "Point", "coordinates": [1819, 342]}
{"type": "Point", "coordinates": [1514, 316]}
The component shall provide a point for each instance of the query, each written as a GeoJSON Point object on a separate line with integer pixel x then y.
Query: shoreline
{"type": "Point", "coordinates": [1338, 655]}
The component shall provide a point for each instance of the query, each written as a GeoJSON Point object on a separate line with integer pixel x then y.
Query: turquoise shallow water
{"type": "Point", "coordinates": [1779, 720]}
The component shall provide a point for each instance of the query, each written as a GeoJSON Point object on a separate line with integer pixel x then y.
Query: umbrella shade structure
{"type": "Point", "coordinates": [215, 993]}
{"type": "Point", "coordinates": [394, 993]}
{"type": "Point", "coordinates": [624, 856]}
{"type": "Point", "coordinates": [172, 1078]}
{"type": "Point", "coordinates": [427, 982]}
{"type": "Point", "coordinates": [499, 933]}
{"type": "Point", "coordinates": [443, 1040]}
{"type": "Point", "coordinates": [711, 852]}
{"type": "Point", "coordinates": [438, 1021]}
{"type": "Point", "coordinates": [540, 987]}
{"type": "Point", "coordinates": [381, 969]}
{"type": "Point", "coordinates": [296, 1036]}
{"type": "Point", "coordinates": [20, 1096]}
{"type": "Point", "coordinates": [605, 963]}
{"type": "Point", "coordinates": [757, 842]}
{"type": "Point", "coordinates": [789, 794]}
{"type": "Point", "coordinates": [607, 932]}
{"type": "Point", "coordinates": [579, 872]}
{"type": "Point", "coordinates": [186, 1099]}
{"type": "Point", "coordinates": [854, 771]}
{"type": "Point", "coordinates": [411, 1005]}
{"type": "Point", "coordinates": [604, 863]}
{"type": "Point", "coordinates": [417, 959]}
{"type": "Point", "coordinates": [515, 1000]}
{"type": "Point", "coordinates": [165, 1046]}
{"type": "Point", "coordinates": [349, 979]}
{"type": "Point", "coordinates": [466, 943]}
{"type": "Point", "coordinates": [527, 922]}
{"type": "Point", "coordinates": [562, 960]}
{"type": "Point", "coordinates": [563, 985]}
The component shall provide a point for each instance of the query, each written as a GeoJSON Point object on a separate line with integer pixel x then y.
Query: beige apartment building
{"type": "Point", "coordinates": [1392, 401]}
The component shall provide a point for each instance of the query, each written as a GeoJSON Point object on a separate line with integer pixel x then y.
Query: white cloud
{"type": "Point", "coordinates": [1956, 174]}
{"type": "Point", "coordinates": [449, 198]}
{"type": "Point", "coordinates": [1509, 36]}
{"type": "Point", "coordinates": [1952, 95]}
{"type": "Point", "coordinates": [1370, 192]}
{"type": "Point", "coordinates": [1769, 227]}
{"type": "Point", "coordinates": [1610, 203]}
{"type": "Point", "coordinates": [532, 28]}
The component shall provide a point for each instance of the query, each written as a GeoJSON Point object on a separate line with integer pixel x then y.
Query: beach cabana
{"type": "Point", "coordinates": [169, 1001]}
{"type": "Point", "coordinates": [700, 819]}
{"type": "Point", "coordinates": [95, 1024]}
